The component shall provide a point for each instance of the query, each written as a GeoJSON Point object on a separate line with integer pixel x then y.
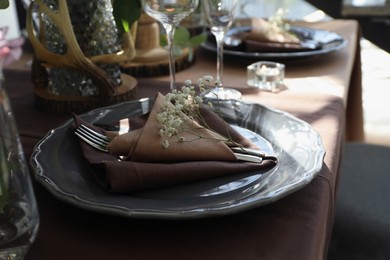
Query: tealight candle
{"type": "Point", "coordinates": [265, 75]}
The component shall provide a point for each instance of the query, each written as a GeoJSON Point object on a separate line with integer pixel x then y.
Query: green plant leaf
{"type": "Point", "coordinates": [197, 40]}
{"type": "Point", "coordinates": [182, 36]}
{"type": "Point", "coordinates": [163, 40]}
{"type": "Point", "coordinates": [126, 12]}
{"type": "Point", "coordinates": [4, 4]}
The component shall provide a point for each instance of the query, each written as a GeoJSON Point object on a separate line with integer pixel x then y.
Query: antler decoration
{"type": "Point", "coordinates": [74, 57]}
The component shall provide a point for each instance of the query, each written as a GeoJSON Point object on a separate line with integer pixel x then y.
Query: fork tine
{"type": "Point", "coordinates": [92, 137]}
{"type": "Point", "coordinates": [89, 140]}
{"type": "Point", "coordinates": [95, 133]}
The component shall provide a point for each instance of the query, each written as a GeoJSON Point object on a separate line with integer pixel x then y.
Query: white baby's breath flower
{"type": "Point", "coordinates": [208, 78]}
{"type": "Point", "coordinates": [186, 91]}
{"type": "Point", "coordinates": [161, 117]}
{"type": "Point", "coordinates": [179, 106]}
{"type": "Point", "coordinates": [176, 122]}
{"type": "Point", "coordinates": [188, 82]}
{"type": "Point", "coordinates": [171, 131]}
{"type": "Point", "coordinates": [182, 106]}
{"type": "Point", "coordinates": [198, 100]}
{"type": "Point", "coordinates": [162, 132]}
{"type": "Point", "coordinates": [165, 144]}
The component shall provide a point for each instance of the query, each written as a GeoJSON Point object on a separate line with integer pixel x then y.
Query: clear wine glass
{"type": "Point", "coordinates": [220, 15]}
{"type": "Point", "coordinates": [169, 13]}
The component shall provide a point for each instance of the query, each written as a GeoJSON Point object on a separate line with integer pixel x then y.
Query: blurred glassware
{"type": "Point", "coordinates": [195, 22]}
{"type": "Point", "coordinates": [19, 218]}
{"type": "Point", "coordinates": [35, 13]}
{"type": "Point", "coordinates": [220, 15]}
{"type": "Point", "coordinates": [170, 13]}
{"type": "Point", "coordinates": [266, 75]}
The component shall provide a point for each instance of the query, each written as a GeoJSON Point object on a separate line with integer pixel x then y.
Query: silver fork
{"type": "Point", "coordinates": [93, 138]}
{"type": "Point", "coordinates": [100, 142]}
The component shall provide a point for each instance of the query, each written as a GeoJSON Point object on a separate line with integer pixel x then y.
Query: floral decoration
{"type": "Point", "coordinates": [4, 4]}
{"type": "Point", "coordinates": [181, 109]}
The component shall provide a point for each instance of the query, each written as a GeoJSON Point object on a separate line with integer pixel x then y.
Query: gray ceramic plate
{"type": "Point", "coordinates": [326, 42]}
{"type": "Point", "coordinates": [60, 167]}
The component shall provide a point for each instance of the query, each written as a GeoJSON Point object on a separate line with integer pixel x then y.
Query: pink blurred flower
{"type": "Point", "coordinates": [10, 50]}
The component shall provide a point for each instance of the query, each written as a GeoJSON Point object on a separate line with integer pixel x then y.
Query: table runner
{"type": "Point", "coordinates": [297, 226]}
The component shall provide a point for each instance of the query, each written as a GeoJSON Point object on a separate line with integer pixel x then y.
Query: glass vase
{"type": "Point", "coordinates": [19, 219]}
{"type": "Point", "coordinates": [95, 30]}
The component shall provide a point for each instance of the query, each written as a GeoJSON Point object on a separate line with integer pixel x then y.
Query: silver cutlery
{"type": "Point", "coordinates": [100, 142]}
{"type": "Point", "coordinates": [93, 138]}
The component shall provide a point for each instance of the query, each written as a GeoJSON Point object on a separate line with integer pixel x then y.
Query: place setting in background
{"type": "Point", "coordinates": [274, 38]}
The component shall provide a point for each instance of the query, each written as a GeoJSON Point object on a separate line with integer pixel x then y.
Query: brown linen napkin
{"type": "Point", "coordinates": [265, 36]}
{"type": "Point", "coordinates": [145, 145]}
{"type": "Point", "coordinates": [151, 166]}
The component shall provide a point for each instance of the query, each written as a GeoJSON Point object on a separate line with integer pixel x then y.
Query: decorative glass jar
{"type": "Point", "coordinates": [96, 33]}
{"type": "Point", "coordinates": [77, 55]}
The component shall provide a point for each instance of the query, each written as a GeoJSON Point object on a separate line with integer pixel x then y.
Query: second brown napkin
{"type": "Point", "coordinates": [265, 36]}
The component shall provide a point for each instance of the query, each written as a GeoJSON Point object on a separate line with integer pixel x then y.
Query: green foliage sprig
{"type": "Point", "coordinates": [126, 13]}
{"type": "Point", "coordinates": [182, 38]}
{"type": "Point", "coordinates": [4, 4]}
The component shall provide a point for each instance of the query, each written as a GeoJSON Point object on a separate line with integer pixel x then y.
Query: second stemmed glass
{"type": "Point", "coordinates": [220, 15]}
{"type": "Point", "coordinates": [169, 13]}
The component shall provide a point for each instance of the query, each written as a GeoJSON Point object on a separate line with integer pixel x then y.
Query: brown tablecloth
{"type": "Point", "coordinates": [297, 226]}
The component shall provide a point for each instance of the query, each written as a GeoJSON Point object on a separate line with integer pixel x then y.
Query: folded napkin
{"type": "Point", "coordinates": [265, 36]}
{"type": "Point", "coordinates": [148, 165]}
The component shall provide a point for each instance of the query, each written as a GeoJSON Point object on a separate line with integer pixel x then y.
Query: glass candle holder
{"type": "Point", "coordinates": [266, 75]}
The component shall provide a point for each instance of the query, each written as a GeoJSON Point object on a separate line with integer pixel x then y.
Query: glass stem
{"type": "Point", "coordinates": [170, 31]}
{"type": "Point", "coordinates": [219, 36]}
